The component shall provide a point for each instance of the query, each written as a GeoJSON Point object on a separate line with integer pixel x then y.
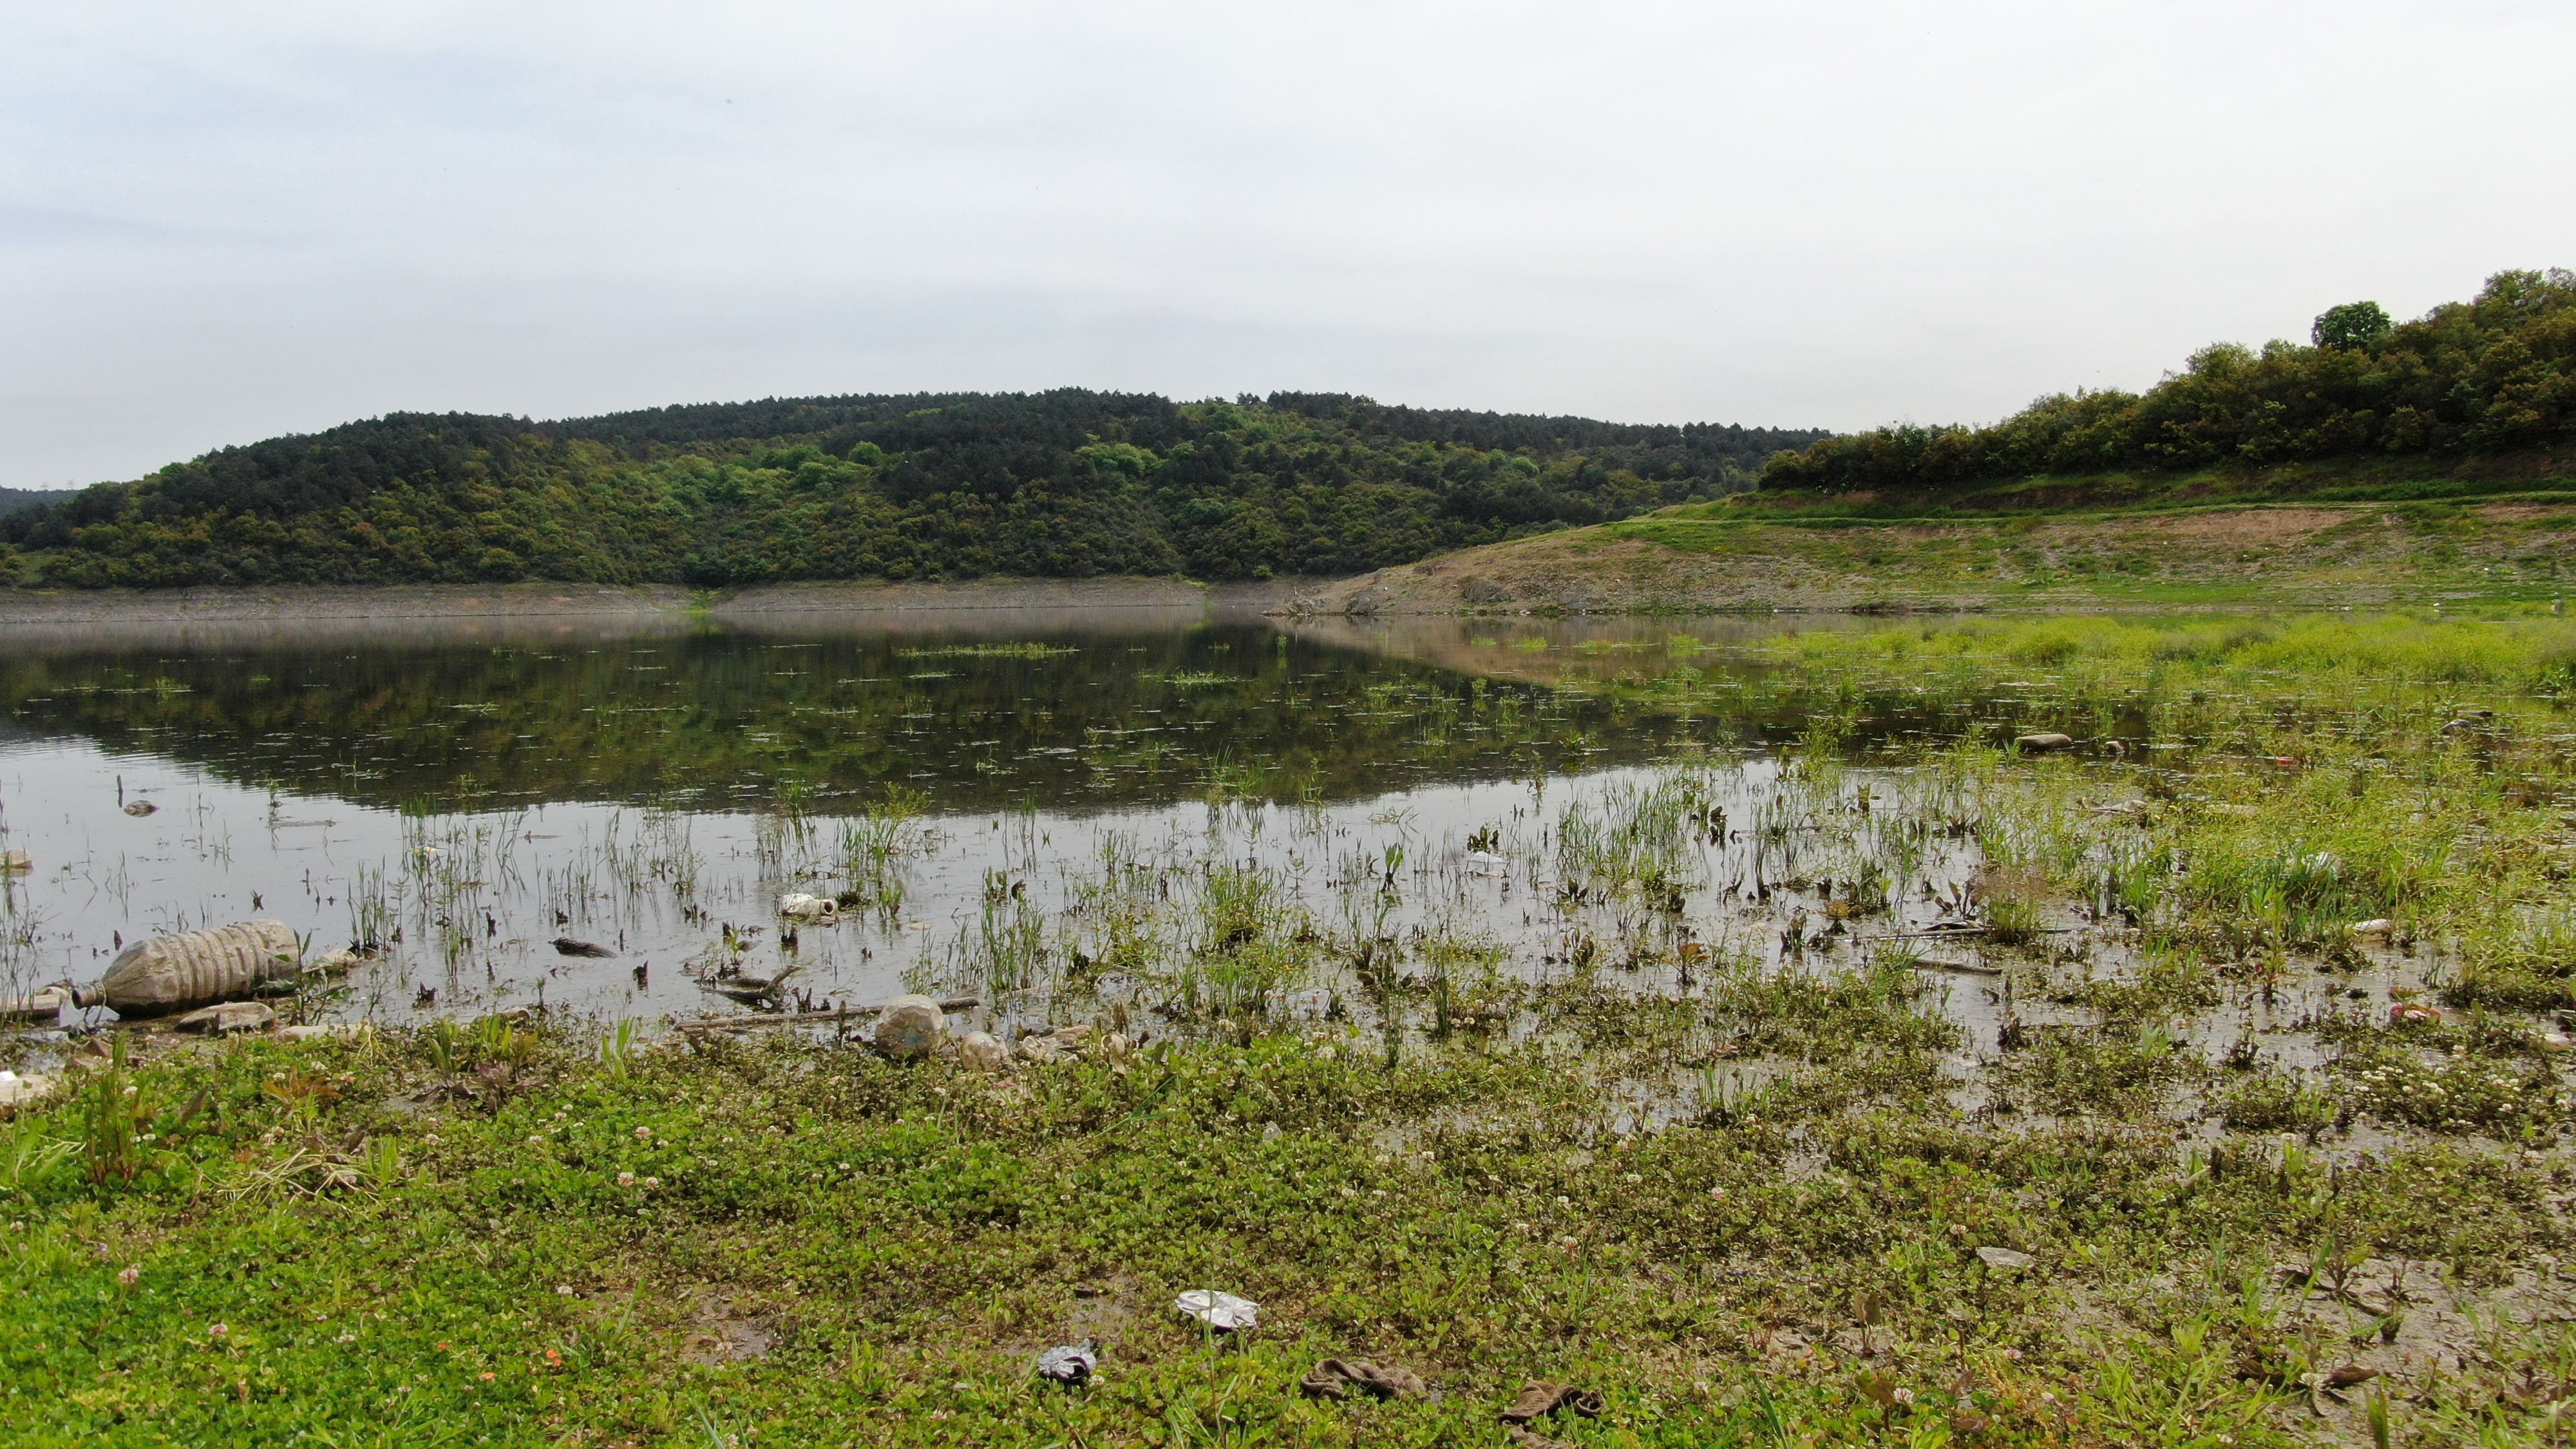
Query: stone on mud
{"type": "Point", "coordinates": [910, 1026]}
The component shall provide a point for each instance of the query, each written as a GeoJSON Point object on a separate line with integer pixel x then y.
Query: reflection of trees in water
{"type": "Point", "coordinates": [1101, 720]}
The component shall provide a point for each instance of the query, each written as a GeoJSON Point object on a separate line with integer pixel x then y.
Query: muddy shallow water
{"type": "Point", "coordinates": [998, 795]}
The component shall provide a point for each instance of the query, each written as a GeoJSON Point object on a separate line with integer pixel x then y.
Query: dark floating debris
{"type": "Point", "coordinates": [566, 945]}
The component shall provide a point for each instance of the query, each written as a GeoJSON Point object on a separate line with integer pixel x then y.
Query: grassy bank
{"type": "Point", "coordinates": [2367, 532]}
{"type": "Point", "coordinates": [1722, 1135]}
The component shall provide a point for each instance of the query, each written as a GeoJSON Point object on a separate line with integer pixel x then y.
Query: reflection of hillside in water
{"type": "Point", "coordinates": [976, 710]}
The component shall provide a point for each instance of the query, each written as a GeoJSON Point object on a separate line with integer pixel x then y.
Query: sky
{"type": "Point", "coordinates": [221, 223]}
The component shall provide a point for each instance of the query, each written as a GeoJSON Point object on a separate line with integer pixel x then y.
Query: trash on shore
{"type": "Point", "coordinates": [1336, 1379]}
{"type": "Point", "coordinates": [1070, 1364]}
{"type": "Point", "coordinates": [1537, 1400]}
{"type": "Point", "coordinates": [1221, 1311]}
{"type": "Point", "coordinates": [802, 907]}
{"type": "Point", "coordinates": [327, 1031]}
{"type": "Point", "coordinates": [910, 1026]}
{"type": "Point", "coordinates": [812, 1018]}
{"type": "Point", "coordinates": [17, 1091]}
{"type": "Point", "coordinates": [176, 973]}
{"type": "Point", "coordinates": [48, 1002]}
{"type": "Point", "coordinates": [566, 945]}
{"type": "Point", "coordinates": [2043, 742]}
{"type": "Point", "coordinates": [225, 1018]}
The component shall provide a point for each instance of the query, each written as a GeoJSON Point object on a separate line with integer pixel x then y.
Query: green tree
{"type": "Point", "coordinates": [2360, 325]}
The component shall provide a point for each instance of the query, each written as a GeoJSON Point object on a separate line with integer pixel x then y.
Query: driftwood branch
{"type": "Point", "coordinates": [809, 1018]}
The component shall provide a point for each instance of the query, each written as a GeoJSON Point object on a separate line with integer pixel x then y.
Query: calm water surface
{"type": "Point", "coordinates": [479, 793]}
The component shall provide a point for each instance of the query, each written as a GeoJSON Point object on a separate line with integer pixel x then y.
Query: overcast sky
{"type": "Point", "coordinates": [222, 222]}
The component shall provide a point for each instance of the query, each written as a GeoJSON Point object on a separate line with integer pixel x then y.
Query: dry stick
{"type": "Point", "coordinates": [809, 1018]}
{"type": "Point", "coordinates": [1937, 932]}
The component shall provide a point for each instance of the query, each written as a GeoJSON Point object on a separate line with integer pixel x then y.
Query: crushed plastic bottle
{"type": "Point", "coordinates": [174, 973]}
{"type": "Point", "coordinates": [1221, 1311]}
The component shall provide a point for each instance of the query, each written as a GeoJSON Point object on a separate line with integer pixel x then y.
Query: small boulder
{"type": "Point", "coordinates": [224, 1018]}
{"type": "Point", "coordinates": [910, 1026]}
{"type": "Point", "coordinates": [983, 1052]}
{"type": "Point", "coordinates": [2003, 1260]}
{"type": "Point", "coordinates": [2043, 742]}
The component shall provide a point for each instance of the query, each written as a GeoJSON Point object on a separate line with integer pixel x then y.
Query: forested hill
{"type": "Point", "coordinates": [1059, 484]}
{"type": "Point", "coordinates": [13, 499]}
{"type": "Point", "coordinates": [2493, 375]}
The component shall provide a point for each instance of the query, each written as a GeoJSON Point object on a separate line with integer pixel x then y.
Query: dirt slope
{"type": "Point", "coordinates": [1695, 560]}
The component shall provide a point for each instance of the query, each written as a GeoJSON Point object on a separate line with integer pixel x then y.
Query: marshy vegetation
{"type": "Point", "coordinates": [1844, 1073]}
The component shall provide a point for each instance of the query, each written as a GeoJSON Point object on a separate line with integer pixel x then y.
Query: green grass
{"type": "Point", "coordinates": [905, 1238]}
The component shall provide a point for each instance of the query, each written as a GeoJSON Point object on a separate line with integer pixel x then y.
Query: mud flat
{"type": "Point", "coordinates": [547, 610]}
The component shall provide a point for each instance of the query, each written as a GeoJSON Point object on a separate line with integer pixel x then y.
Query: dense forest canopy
{"type": "Point", "coordinates": [2490, 375]}
{"type": "Point", "coordinates": [1059, 484]}
{"type": "Point", "coordinates": [13, 499]}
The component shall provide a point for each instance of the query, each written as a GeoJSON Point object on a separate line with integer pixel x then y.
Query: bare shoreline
{"type": "Point", "coordinates": [556, 610]}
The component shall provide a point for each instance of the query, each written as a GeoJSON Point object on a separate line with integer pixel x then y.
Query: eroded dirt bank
{"type": "Point", "coordinates": [1700, 560]}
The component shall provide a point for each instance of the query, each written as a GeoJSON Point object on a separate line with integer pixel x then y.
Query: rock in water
{"type": "Point", "coordinates": [2044, 741]}
{"type": "Point", "coordinates": [567, 946]}
{"type": "Point", "coordinates": [983, 1052]}
{"type": "Point", "coordinates": [173, 973]}
{"type": "Point", "coordinates": [910, 1026]}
